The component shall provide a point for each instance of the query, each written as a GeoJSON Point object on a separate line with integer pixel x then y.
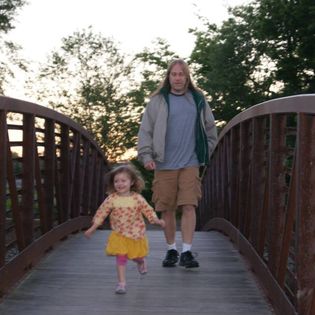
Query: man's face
{"type": "Point", "coordinates": [177, 79]}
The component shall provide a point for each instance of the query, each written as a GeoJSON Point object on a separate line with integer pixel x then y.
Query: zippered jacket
{"type": "Point", "coordinates": [152, 132]}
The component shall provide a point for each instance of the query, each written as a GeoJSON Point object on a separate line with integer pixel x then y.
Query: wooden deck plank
{"type": "Point", "coordinates": [77, 278]}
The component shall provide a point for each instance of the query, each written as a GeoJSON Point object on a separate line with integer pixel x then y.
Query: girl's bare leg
{"type": "Point", "coordinates": [121, 274]}
{"type": "Point", "coordinates": [121, 262]}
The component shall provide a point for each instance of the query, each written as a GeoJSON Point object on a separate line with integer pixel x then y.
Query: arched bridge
{"type": "Point", "coordinates": [257, 192]}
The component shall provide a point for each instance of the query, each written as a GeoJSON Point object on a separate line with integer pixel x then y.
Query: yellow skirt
{"type": "Point", "coordinates": [118, 244]}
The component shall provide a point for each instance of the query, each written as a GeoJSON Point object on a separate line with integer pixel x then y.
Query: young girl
{"type": "Point", "coordinates": [126, 208]}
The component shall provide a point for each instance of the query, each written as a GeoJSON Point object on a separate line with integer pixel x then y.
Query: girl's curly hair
{"type": "Point", "coordinates": [136, 179]}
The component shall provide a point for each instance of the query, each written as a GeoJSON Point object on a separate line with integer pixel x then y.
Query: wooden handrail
{"type": "Point", "coordinates": [52, 178]}
{"type": "Point", "coordinates": [260, 190]}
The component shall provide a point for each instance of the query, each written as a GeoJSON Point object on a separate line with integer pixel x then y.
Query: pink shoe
{"type": "Point", "coordinates": [121, 288]}
{"type": "Point", "coordinates": [142, 266]}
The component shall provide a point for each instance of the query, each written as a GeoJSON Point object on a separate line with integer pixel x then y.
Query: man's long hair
{"type": "Point", "coordinates": [165, 84]}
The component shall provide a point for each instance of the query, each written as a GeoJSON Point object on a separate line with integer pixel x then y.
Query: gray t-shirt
{"type": "Point", "coordinates": [180, 135]}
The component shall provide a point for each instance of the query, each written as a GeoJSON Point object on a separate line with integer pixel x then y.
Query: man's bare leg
{"type": "Point", "coordinates": [170, 233]}
{"type": "Point", "coordinates": [170, 226]}
{"type": "Point", "coordinates": [188, 223]}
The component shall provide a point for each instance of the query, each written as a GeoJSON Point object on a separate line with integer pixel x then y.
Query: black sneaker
{"type": "Point", "coordinates": [171, 258]}
{"type": "Point", "coordinates": [187, 260]}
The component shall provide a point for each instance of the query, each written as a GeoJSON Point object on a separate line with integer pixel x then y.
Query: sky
{"type": "Point", "coordinates": [133, 24]}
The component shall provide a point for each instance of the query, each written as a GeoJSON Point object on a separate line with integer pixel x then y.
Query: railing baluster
{"type": "Point", "coordinates": [49, 171]}
{"type": "Point", "coordinates": [235, 162]}
{"type": "Point", "coordinates": [28, 178]}
{"type": "Point", "coordinates": [3, 176]}
{"type": "Point", "coordinates": [257, 178]}
{"type": "Point", "coordinates": [85, 192]}
{"type": "Point", "coordinates": [92, 172]}
{"type": "Point", "coordinates": [65, 174]}
{"type": "Point", "coordinates": [41, 199]}
{"type": "Point", "coordinates": [76, 177]}
{"type": "Point", "coordinates": [244, 178]}
{"type": "Point", "coordinates": [272, 197]}
{"type": "Point", "coordinates": [306, 215]}
{"type": "Point", "coordinates": [276, 191]}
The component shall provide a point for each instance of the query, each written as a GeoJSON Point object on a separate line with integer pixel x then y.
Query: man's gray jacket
{"type": "Point", "coordinates": [152, 132]}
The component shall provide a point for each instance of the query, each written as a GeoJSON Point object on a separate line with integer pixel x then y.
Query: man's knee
{"type": "Point", "coordinates": [168, 215]}
{"type": "Point", "coordinates": [188, 209]}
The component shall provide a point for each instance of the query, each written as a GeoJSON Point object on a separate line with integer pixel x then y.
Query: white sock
{"type": "Point", "coordinates": [171, 246]}
{"type": "Point", "coordinates": [186, 247]}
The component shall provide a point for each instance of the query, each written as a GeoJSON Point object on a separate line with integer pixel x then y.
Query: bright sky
{"type": "Point", "coordinates": [133, 24]}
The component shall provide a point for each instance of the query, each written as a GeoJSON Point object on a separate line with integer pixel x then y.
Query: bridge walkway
{"type": "Point", "coordinates": [77, 278]}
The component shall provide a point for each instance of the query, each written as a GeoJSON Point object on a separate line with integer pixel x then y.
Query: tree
{"type": "Point", "coordinates": [87, 79]}
{"type": "Point", "coordinates": [264, 50]}
{"type": "Point", "coordinates": [229, 69]}
{"type": "Point", "coordinates": [10, 61]}
{"type": "Point", "coordinates": [8, 9]}
{"type": "Point", "coordinates": [149, 67]}
{"type": "Point", "coordinates": [286, 30]}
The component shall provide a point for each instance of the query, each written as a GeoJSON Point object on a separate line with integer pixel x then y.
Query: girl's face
{"type": "Point", "coordinates": [122, 184]}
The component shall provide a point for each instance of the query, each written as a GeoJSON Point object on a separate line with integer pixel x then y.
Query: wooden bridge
{"type": "Point", "coordinates": [257, 193]}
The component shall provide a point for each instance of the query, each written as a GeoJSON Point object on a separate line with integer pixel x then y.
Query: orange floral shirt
{"type": "Point", "coordinates": [126, 214]}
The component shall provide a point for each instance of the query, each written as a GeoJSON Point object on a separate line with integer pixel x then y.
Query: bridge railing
{"type": "Point", "coordinates": [260, 190]}
{"type": "Point", "coordinates": [52, 178]}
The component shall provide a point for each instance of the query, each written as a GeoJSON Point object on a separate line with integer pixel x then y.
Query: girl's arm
{"type": "Point", "coordinates": [159, 222]}
{"type": "Point", "coordinates": [100, 215]}
{"type": "Point", "coordinates": [149, 212]}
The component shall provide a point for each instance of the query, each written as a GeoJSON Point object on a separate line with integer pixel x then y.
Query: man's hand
{"type": "Point", "coordinates": [150, 166]}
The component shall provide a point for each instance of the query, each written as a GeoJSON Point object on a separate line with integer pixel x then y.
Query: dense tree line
{"type": "Point", "coordinates": [264, 50]}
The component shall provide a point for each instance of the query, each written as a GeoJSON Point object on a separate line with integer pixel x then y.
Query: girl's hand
{"type": "Point", "coordinates": [161, 222]}
{"type": "Point", "coordinates": [88, 233]}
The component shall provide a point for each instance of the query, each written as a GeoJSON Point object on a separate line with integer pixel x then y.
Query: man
{"type": "Point", "coordinates": [176, 137]}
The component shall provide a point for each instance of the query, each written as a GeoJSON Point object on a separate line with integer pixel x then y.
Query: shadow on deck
{"type": "Point", "coordinates": [77, 278]}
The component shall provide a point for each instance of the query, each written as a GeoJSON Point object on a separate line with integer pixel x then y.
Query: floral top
{"type": "Point", "coordinates": [126, 214]}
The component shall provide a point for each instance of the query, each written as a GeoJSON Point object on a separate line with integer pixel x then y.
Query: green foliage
{"type": "Point", "coordinates": [10, 62]}
{"type": "Point", "coordinates": [89, 81]}
{"type": "Point", "coordinates": [8, 9]}
{"type": "Point", "coordinates": [264, 50]}
{"type": "Point", "coordinates": [148, 178]}
{"type": "Point", "coordinates": [228, 68]}
{"type": "Point", "coordinates": [149, 68]}
{"type": "Point", "coordinates": [151, 65]}
{"type": "Point", "coordinates": [286, 30]}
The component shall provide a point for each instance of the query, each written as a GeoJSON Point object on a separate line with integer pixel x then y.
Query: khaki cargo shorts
{"type": "Point", "coordinates": [175, 188]}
